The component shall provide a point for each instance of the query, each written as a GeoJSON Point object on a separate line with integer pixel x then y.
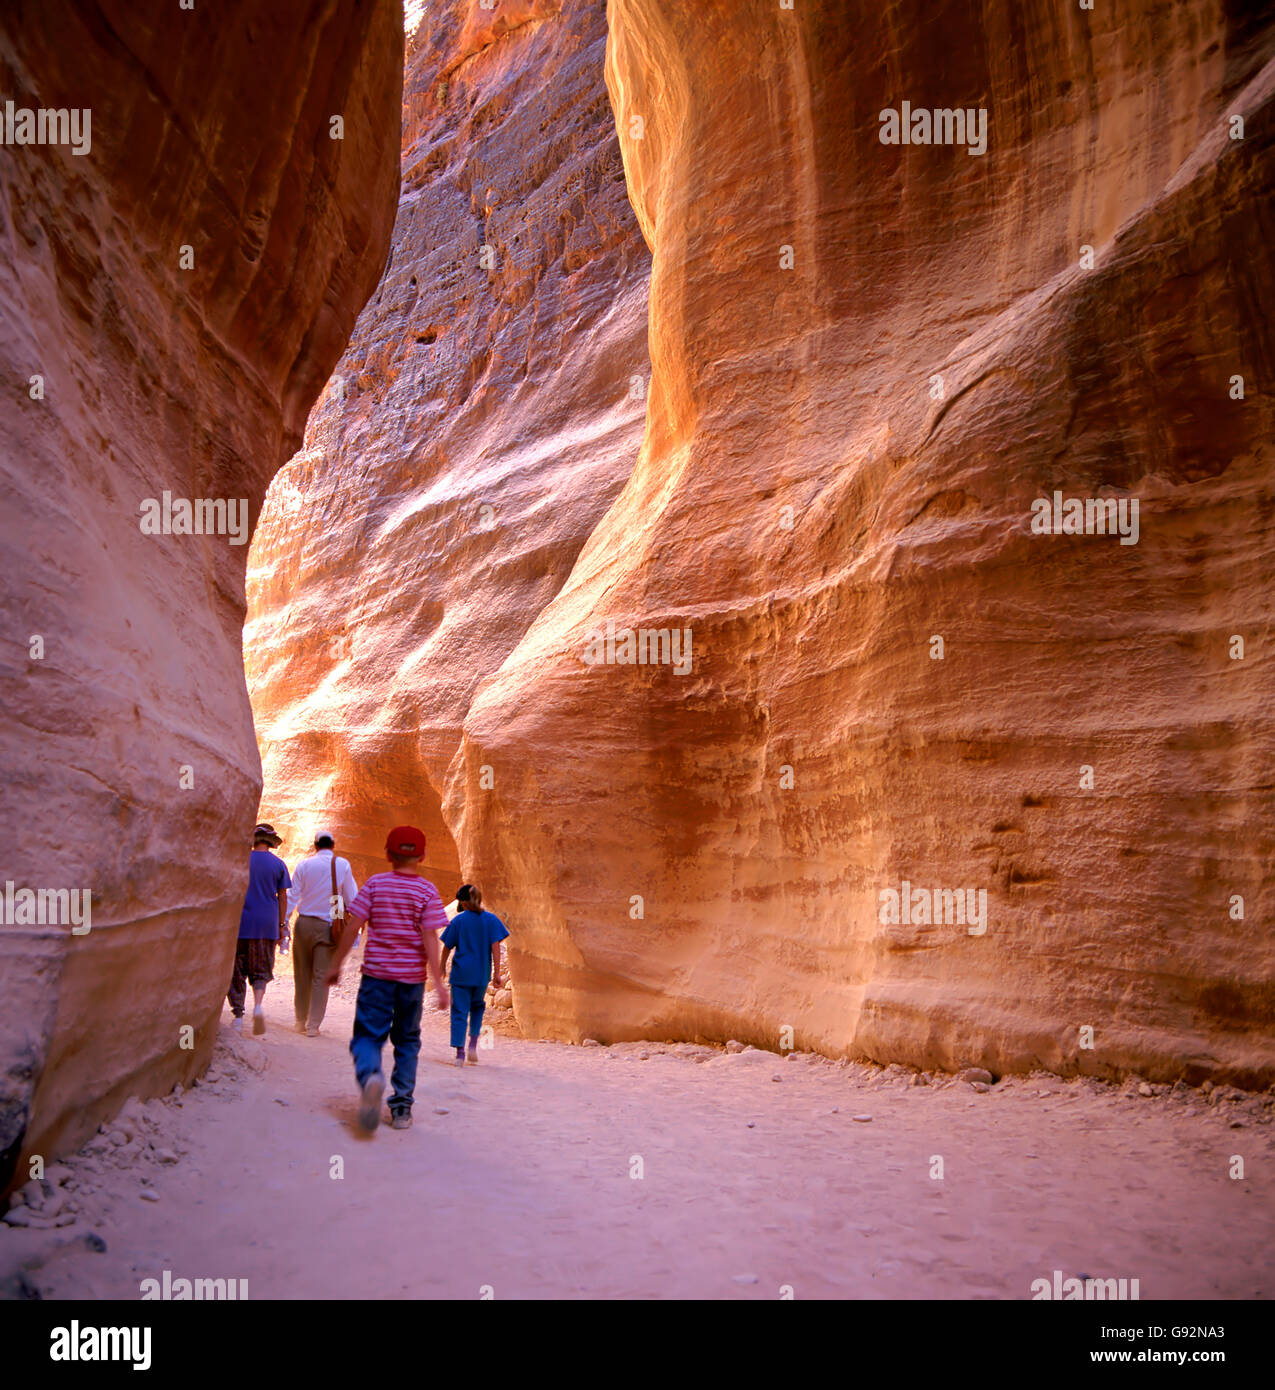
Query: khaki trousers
{"type": "Point", "coordinates": [312, 952]}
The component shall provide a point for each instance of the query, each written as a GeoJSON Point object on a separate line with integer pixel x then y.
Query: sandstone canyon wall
{"type": "Point", "coordinates": [868, 360]}
{"type": "Point", "coordinates": [938, 356]}
{"type": "Point", "coordinates": [182, 290]}
{"type": "Point", "coordinates": [481, 422]}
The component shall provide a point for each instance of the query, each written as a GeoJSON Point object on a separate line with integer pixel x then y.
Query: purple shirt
{"type": "Point", "coordinates": [267, 873]}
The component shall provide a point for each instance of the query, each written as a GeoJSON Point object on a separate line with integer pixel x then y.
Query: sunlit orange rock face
{"type": "Point", "coordinates": [182, 289]}
{"type": "Point", "coordinates": [487, 413]}
{"type": "Point", "coordinates": [869, 360]}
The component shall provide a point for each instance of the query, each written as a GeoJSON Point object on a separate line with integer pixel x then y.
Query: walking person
{"type": "Point", "coordinates": [262, 923]}
{"type": "Point", "coordinates": [475, 936]}
{"type": "Point", "coordinates": [403, 914]}
{"type": "Point", "coordinates": [323, 888]}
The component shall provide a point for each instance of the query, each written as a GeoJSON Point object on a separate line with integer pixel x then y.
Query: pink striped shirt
{"type": "Point", "coordinates": [397, 908]}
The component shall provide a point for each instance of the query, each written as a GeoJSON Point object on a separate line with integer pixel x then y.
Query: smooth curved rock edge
{"type": "Point", "coordinates": [818, 754]}
{"type": "Point", "coordinates": [210, 129]}
{"type": "Point", "coordinates": [811, 388]}
{"type": "Point", "coordinates": [479, 425]}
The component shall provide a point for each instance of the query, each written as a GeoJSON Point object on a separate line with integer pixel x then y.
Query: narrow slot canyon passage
{"type": "Point", "coordinates": [776, 499]}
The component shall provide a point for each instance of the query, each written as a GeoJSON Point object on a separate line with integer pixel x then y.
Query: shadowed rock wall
{"type": "Point", "coordinates": [182, 290]}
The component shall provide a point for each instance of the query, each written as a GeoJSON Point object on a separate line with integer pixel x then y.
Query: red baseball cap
{"type": "Point", "coordinates": [406, 839]}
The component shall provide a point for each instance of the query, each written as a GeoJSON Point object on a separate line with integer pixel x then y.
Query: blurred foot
{"type": "Point", "coordinates": [401, 1119]}
{"type": "Point", "coordinates": [237, 1024]}
{"type": "Point", "coordinates": [370, 1102]}
{"type": "Point", "coordinates": [311, 1032]}
{"type": "Point", "coordinates": [258, 1020]}
{"type": "Point", "coordinates": [472, 1059]}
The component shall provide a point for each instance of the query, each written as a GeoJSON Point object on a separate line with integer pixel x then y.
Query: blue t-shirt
{"type": "Point", "coordinates": [472, 935]}
{"type": "Point", "coordinates": [267, 873]}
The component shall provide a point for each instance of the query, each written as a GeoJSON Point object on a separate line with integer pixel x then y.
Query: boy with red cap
{"type": "Point", "coordinates": [403, 913]}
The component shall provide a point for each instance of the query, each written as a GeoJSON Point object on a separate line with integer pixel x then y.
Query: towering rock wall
{"type": "Point", "coordinates": [869, 360]}
{"type": "Point", "coordinates": [172, 299]}
{"type": "Point", "coordinates": [487, 412]}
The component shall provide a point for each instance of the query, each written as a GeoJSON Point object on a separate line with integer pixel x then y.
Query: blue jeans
{"type": "Point", "coordinates": [469, 1002]}
{"type": "Point", "coordinates": [388, 1009]}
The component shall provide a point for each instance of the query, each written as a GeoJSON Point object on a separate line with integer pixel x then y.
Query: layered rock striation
{"type": "Point", "coordinates": [730, 726]}
{"type": "Point", "coordinates": [486, 414]}
{"type": "Point", "coordinates": [869, 361]}
{"type": "Point", "coordinates": [172, 298]}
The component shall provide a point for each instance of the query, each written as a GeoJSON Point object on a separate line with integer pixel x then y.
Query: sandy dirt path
{"type": "Point", "coordinates": [755, 1176]}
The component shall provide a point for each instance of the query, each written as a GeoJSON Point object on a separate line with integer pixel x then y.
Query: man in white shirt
{"type": "Point", "coordinates": [311, 897]}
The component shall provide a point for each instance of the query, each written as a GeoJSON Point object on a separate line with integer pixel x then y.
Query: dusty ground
{"type": "Point", "coordinates": [755, 1175]}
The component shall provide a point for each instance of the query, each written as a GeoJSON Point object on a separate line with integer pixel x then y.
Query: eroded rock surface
{"type": "Point", "coordinates": [182, 291]}
{"type": "Point", "coordinates": [868, 361]}
{"type": "Point", "coordinates": [487, 412]}
{"type": "Point", "coordinates": [840, 463]}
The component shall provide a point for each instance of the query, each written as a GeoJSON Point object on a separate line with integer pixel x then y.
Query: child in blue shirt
{"type": "Point", "coordinates": [475, 936]}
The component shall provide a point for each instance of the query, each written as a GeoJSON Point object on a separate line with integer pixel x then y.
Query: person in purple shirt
{"type": "Point", "coordinates": [262, 923]}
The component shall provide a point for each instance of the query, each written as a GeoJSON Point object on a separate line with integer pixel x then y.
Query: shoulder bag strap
{"type": "Point", "coordinates": [338, 919]}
